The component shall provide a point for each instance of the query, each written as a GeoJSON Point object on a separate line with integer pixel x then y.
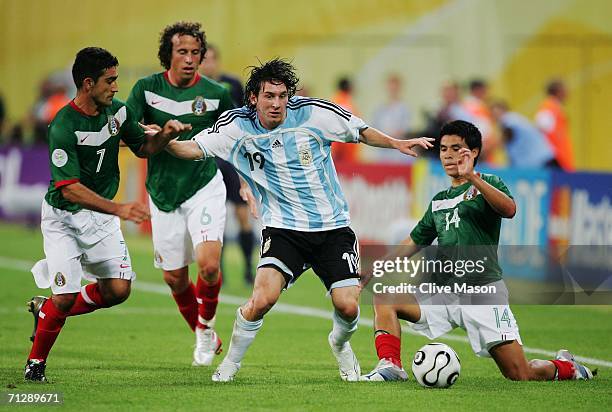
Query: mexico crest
{"type": "Point", "coordinates": [470, 194]}
{"type": "Point", "coordinates": [199, 106]}
{"type": "Point", "coordinates": [60, 280]}
{"type": "Point", "coordinates": [113, 125]}
{"type": "Point", "coordinates": [305, 154]}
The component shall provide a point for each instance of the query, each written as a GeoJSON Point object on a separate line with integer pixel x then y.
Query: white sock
{"type": "Point", "coordinates": [342, 329]}
{"type": "Point", "coordinates": [242, 337]}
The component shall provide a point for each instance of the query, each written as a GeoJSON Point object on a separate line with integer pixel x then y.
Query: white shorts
{"type": "Point", "coordinates": [486, 325]}
{"type": "Point", "coordinates": [199, 219]}
{"type": "Point", "coordinates": [85, 244]}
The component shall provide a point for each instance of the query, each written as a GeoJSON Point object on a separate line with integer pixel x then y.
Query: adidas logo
{"type": "Point", "coordinates": [277, 144]}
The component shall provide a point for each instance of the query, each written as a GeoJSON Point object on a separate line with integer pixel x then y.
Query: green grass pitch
{"type": "Point", "coordinates": [138, 356]}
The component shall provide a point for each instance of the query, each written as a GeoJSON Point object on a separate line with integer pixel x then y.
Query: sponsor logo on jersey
{"type": "Point", "coordinates": [266, 246]}
{"type": "Point", "coordinates": [59, 280]}
{"type": "Point", "coordinates": [277, 144]}
{"type": "Point", "coordinates": [59, 157]}
{"type": "Point", "coordinates": [113, 125]}
{"type": "Point", "coordinates": [198, 106]}
{"type": "Point", "coordinates": [305, 154]}
{"type": "Point", "coordinates": [83, 139]}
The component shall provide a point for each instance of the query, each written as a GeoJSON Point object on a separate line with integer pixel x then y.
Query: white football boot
{"type": "Point", "coordinates": [226, 371]}
{"type": "Point", "coordinates": [385, 371]}
{"type": "Point", "coordinates": [207, 345]}
{"type": "Point", "coordinates": [347, 362]}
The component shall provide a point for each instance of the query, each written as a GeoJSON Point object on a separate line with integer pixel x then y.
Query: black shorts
{"type": "Point", "coordinates": [231, 180]}
{"type": "Point", "coordinates": [332, 254]}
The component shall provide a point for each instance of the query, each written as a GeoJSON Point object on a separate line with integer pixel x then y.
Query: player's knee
{"type": "Point", "coordinates": [64, 301]}
{"type": "Point", "coordinates": [209, 270]}
{"type": "Point", "coordinates": [116, 294]}
{"type": "Point", "coordinates": [348, 309]}
{"type": "Point", "coordinates": [176, 281]}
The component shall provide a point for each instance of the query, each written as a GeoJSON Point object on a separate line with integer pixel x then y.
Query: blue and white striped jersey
{"type": "Point", "coordinates": [289, 169]}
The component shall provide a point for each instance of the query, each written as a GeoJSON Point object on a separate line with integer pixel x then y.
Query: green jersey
{"type": "Point", "coordinates": [85, 149]}
{"type": "Point", "coordinates": [466, 225]}
{"type": "Point", "coordinates": [171, 181]}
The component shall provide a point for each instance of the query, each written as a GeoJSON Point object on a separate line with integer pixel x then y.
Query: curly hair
{"type": "Point", "coordinates": [91, 62]}
{"type": "Point", "coordinates": [275, 71]}
{"type": "Point", "coordinates": [465, 130]}
{"type": "Point", "coordinates": [181, 28]}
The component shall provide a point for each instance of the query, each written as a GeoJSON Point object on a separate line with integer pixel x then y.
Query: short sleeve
{"type": "Point", "coordinates": [132, 134]}
{"type": "Point", "coordinates": [65, 166]}
{"type": "Point", "coordinates": [335, 123]}
{"type": "Point", "coordinates": [136, 101]}
{"type": "Point", "coordinates": [497, 183]}
{"type": "Point", "coordinates": [425, 231]}
{"type": "Point", "coordinates": [220, 139]}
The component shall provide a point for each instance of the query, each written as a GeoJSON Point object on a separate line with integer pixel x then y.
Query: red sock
{"type": "Point", "coordinates": [565, 369]}
{"type": "Point", "coordinates": [50, 323]}
{"type": "Point", "coordinates": [208, 298]}
{"type": "Point", "coordinates": [188, 306]}
{"type": "Point", "coordinates": [389, 347]}
{"type": "Point", "coordinates": [88, 300]}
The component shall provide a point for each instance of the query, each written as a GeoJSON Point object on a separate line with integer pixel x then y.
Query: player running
{"type": "Point", "coordinates": [80, 224]}
{"type": "Point", "coordinates": [280, 144]}
{"type": "Point", "coordinates": [468, 213]}
{"type": "Point", "coordinates": [187, 199]}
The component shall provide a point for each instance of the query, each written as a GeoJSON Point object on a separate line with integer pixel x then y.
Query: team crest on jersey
{"type": "Point", "coordinates": [60, 280]}
{"type": "Point", "coordinates": [199, 106]}
{"type": "Point", "coordinates": [266, 246]}
{"type": "Point", "coordinates": [113, 125]}
{"type": "Point", "coordinates": [471, 193]}
{"type": "Point", "coordinates": [158, 259]}
{"type": "Point", "coordinates": [305, 154]}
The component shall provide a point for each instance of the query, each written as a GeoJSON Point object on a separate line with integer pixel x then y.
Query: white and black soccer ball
{"type": "Point", "coordinates": [436, 365]}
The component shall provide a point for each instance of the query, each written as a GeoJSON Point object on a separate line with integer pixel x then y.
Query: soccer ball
{"type": "Point", "coordinates": [436, 365]}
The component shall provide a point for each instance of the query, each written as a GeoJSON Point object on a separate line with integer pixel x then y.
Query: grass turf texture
{"type": "Point", "coordinates": [137, 356]}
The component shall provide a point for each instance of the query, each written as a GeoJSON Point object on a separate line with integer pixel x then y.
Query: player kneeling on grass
{"type": "Point", "coordinates": [80, 224]}
{"type": "Point", "coordinates": [281, 145]}
{"type": "Point", "coordinates": [468, 213]}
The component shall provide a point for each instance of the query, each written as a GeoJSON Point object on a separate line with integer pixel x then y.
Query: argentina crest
{"type": "Point", "coordinates": [305, 154]}
{"type": "Point", "coordinates": [198, 106]}
{"type": "Point", "coordinates": [113, 125]}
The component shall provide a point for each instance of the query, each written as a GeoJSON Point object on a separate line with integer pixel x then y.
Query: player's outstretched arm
{"type": "Point", "coordinates": [156, 140]}
{"type": "Point", "coordinates": [376, 138]}
{"type": "Point", "coordinates": [500, 202]}
{"type": "Point", "coordinates": [85, 197]}
{"type": "Point", "coordinates": [185, 149]}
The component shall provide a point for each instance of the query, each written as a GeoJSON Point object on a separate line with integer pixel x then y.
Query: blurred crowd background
{"type": "Point", "coordinates": [535, 76]}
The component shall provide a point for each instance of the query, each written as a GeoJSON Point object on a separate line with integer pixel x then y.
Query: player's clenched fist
{"type": "Point", "coordinates": [173, 128]}
{"type": "Point", "coordinates": [133, 211]}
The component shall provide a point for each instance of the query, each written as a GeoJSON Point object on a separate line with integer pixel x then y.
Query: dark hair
{"type": "Point", "coordinates": [275, 71]}
{"type": "Point", "coordinates": [345, 84]}
{"type": "Point", "coordinates": [554, 87]}
{"type": "Point", "coordinates": [477, 84]}
{"type": "Point", "coordinates": [91, 62]}
{"type": "Point", "coordinates": [182, 28]}
{"type": "Point", "coordinates": [467, 131]}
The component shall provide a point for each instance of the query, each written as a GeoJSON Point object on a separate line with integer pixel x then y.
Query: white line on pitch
{"type": "Point", "coordinates": [18, 264]}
